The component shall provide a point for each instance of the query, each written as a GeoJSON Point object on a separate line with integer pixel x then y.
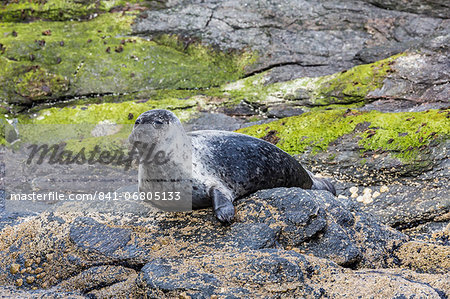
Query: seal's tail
{"type": "Point", "coordinates": [322, 184]}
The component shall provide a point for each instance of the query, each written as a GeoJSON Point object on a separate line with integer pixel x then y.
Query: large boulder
{"type": "Point", "coordinates": [106, 248]}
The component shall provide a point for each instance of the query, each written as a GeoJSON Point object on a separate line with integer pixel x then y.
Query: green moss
{"type": "Point", "coordinates": [400, 133]}
{"type": "Point", "coordinates": [115, 143]}
{"type": "Point", "coordinates": [251, 89]}
{"type": "Point", "coordinates": [57, 10]}
{"type": "Point", "coordinates": [3, 127]}
{"type": "Point", "coordinates": [96, 57]}
{"type": "Point", "coordinates": [74, 125]}
{"type": "Point", "coordinates": [351, 86]}
{"type": "Point", "coordinates": [354, 84]}
{"type": "Point", "coordinates": [37, 84]}
{"type": "Point", "coordinates": [119, 113]}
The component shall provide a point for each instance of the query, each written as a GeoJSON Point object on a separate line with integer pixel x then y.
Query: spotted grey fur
{"type": "Point", "coordinates": [225, 165]}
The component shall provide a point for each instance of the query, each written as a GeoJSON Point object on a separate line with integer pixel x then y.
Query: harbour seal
{"type": "Point", "coordinates": [224, 165]}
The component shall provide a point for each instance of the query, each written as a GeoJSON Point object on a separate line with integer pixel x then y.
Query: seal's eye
{"type": "Point", "coordinates": [157, 123]}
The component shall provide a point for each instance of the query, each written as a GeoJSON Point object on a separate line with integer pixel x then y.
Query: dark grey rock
{"type": "Point", "coordinates": [244, 270]}
{"type": "Point", "coordinates": [418, 78]}
{"type": "Point", "coordinates": [213, 121]}
{"type": "Point", "coordinates": [91, 235]}
{"type": "Point", "coordinates": [277, 274]}
{"type": "Point", "coordinates": [375, 53]}
{"type": "Point", "coordinates": [282, 111]}
{"type": "Point", "coordinates": [97, 277]}
{"type": "Point", "coordinates": [400, 105]}
{"type": "Point", "coordinates": [344, 161]}
{"type": "Point", "coordinates": [327, 227]}
{"type": "Point", "coordinates": [435, 8]}
{"type": "Point", "coordinates": [418, 191]}
{"type": "Point", "coordinates": [156, 272]}
{"type": "Point", "coordinates": [302, 38]}
{"type": "Point", "coordinates": [435, 231]}
{"type": "Point", "coordinates": [241, 109]}
{"type": "Point", "coordinates": [12, 218]}
{"type": "Point", "coordinates": [267, 252]}
{"type": "Point", "coordinates": [252, 236]}
{"type": "Point", "coordinates": [408, 206]}
{"type": "Point", "coordinates": [313, 221]}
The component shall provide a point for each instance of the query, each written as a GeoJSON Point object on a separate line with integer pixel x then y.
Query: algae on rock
{"type": "Point", "coordinates": [400, 133]}
{"type": "Point", "coordinates": [346, 87]}
{"type": "Point", "coordinates": [58, 10]}
{"type": "Point", "coordinates": [99, 57]}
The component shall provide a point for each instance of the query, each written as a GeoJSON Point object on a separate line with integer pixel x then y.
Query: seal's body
{"type": "Point", "coordinates": [226, 165]}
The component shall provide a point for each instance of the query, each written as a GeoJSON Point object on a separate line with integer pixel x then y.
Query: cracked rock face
{"type": "Point", "coordinates": [303, 38]}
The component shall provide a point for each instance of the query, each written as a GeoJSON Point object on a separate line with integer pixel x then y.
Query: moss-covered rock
{"type": "Point", "coordinates": [97, 57]}
{"type": "Point", "coordinates": [346, 87]}
{"type": "Point", "coordinates": [37, 84]}
{"type": "Point", "coordinates": [400, 133]}
{"type": "Point", "coordinates": [74, 125]}
{"type": "Point", "coordinates": [58, 10]}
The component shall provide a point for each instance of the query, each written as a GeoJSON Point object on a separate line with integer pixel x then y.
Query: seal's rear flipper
{"type": "Point", "coordinates": [223, 206]}
{"type": "Point", "coordinates": [321, 183]}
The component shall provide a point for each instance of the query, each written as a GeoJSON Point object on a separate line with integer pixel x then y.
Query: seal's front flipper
{"type": "Point", "coordinates": [223, 206]}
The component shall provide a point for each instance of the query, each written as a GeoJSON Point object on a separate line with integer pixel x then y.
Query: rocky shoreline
{"type": "Point", "coordinates": [357, 91]}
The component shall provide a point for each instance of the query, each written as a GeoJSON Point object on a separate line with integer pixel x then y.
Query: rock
{"type": "Point", "coordinates": [436, 231]}
{"type": "Point", "coordinates": [281, 111]}
{"type": "Point", "coordinates": [431, 8]}
{"type": "Point", "coordinates": [406, 206]}
{"type": "Point", "coordinates": [419, 78]}
{"type": "Point", "coordinates": [98, 279]}
{"type": "Point", "coordinates": [213, 121]}
{"type": "Point", "coordinates": [90, 235]}
{"type": "Point", "coordinates": [130, 248]}
{"type": "Point", "coordinates": [83, 69]}
{"type": "Point", "coordinates": [247, 271]}
{"type": "Point", "coordinates": [281, 274]}
{"type": "Point", "coordinates": [240, 61]}
{"type": "Point", "coordinates": [11, 292]}
{"type": "Point", "coordinates": [424, 257]}
{"type": "Point", "coordinates": [298, 37]}
{"type": "Point", "coordinates": [8, 218]}
{"type": "Point", "coordinates": [242, 109]}
{"type": "Point", "coordinates": [14, 268]}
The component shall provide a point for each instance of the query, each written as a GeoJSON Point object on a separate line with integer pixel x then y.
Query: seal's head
{"type": "Point", "coordinates": [155, 125]}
